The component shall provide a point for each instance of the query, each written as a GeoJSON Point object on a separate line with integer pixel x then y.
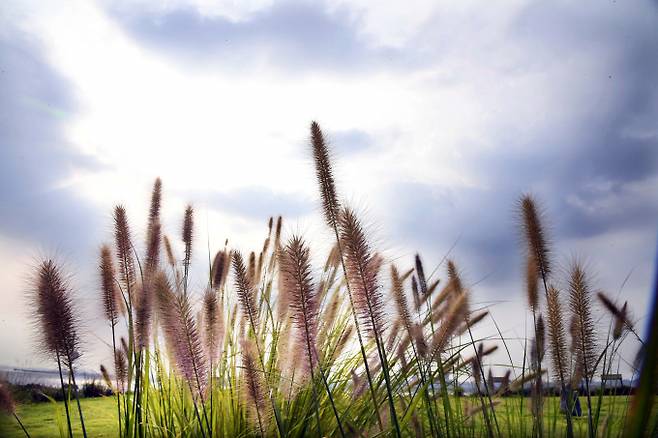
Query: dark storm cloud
{"type": "Point", "coordinates": [34, 154]}
{"type": "Point", "coordinates": [258, 203]}
{"type": "Point", "coordinates": [481, 223]}
{"type": "Point", "coordinates": [295, 36]}
{"type": "Point", "coordinates": [604, 154]}
{"type": "Point", "coordinates": [485, 220]}
{"type": "Point", "coordinates": [595, 173]}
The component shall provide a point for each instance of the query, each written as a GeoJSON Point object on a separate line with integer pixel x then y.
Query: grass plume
{"type": "Point", "coordinates": [111, 297]}
{"type": "Point", "coordinates": [254, 385]}
{"type": "Point", "coordinates": [57, 322]}
{"type": "Point", "coordinates": [325, 176]}
{"type": "Point", "coordinates": [362, 270]}
{"type": "Point", "coordinates": [124, 253]}
{"type": "Point", "coordinates": [245, 291]}
{"type": "Point", "coordinates": [533, 228]}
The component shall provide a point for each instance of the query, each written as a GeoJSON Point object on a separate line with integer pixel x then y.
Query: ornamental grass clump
{"type": "Point", "coordinates": [284, 341]}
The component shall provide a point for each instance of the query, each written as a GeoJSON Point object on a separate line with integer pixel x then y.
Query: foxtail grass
{"type": "Point", "coordinates": [267, 345]}
{"type": "Point", "coordinates": [55, 316]}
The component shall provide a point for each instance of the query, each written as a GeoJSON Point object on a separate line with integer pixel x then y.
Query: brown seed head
{"type": "Point", "coordinates": [106, 377]}
{"type": "Point", "coordinates": [535, 236]}
{"type": "Point", "coordinates": [112, 301]}
{"type": "Point", "coordinates": [531, 281]}
{"type": "Point", "coordinates": [54, 314]}
{"type": "Point", "coordinates": [304, 305]}
{"type": "Point", "coordinates": [557, 338]}
{"type": "Point", "coordinates": [397, 291]}
{"type": "Point", "coordinates": [213, 324]}
{"type": "Point", "coordinates": [123, 241]}
{"type": "Point", "coordinates": [580, 305]}
{"type": "Point", "coordinates": [245, 290]}
{"type": "Point", "coordinates": [621, 315]}
{"type": "Point", "coordinates": [169, 252]}
{"type": "Point", "coordinates": [153, 231]}
{"type": "Point", "coordinates": [254, 383]}
{"type": "Point", "coordinates": [420, 271]}
{"type": "Point", "coordinates": [325, 176]}
{"type": "Point", "coordinates": [361, 271]}
{"type": "Point", "coordinates": [456, 312]}
{"type": "Point", "coordinates": [188, 234]}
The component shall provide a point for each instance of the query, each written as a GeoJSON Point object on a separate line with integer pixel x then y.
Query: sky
{"type": "Point", "coordinates": [439, 114]}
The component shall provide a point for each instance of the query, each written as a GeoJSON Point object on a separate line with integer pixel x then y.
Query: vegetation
{"type": "Point", "coordinates": [48, 419]}
{"type": "Point", "coordinates": [42, 419]}
{"type": "Point", "coordinates": [38, 393]}
{"type": "Point", "coordinates": [274, 347]}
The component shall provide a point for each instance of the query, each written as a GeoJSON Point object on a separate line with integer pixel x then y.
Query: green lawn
{"type": "Point", "coordinates": [100, 417]}
{"type": "Point", "coordinates": [40, 419]}
{"type": "Point", "coordinates": [514, 422]}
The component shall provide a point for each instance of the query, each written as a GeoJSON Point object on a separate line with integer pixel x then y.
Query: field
{"type": "Point", "coordinates": [41, 419]}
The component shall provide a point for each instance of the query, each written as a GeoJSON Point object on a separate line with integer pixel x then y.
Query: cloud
{"type": "Point", "coordinates": [35, 155]}
{"type": "Point", "coordinates": [431, 219]}
{"type": "Point", "coordinates": [350, 141]}
{"type": "Point", "coordinates": [257, 203]}
{"type": "Point", "coordinates": [590, 153]}
{"type": "Point", "coordinates": [293, 36]}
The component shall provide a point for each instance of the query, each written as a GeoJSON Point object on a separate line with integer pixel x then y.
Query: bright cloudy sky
{"type": "Point", "coordinates": [440, 115]}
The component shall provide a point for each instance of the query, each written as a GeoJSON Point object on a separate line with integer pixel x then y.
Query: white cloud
{"type": "Point", "coordinates": [235, 10]}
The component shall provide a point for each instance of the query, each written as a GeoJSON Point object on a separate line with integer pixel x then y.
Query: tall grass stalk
{"type": "Point", "coordinates": [331, 208]}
